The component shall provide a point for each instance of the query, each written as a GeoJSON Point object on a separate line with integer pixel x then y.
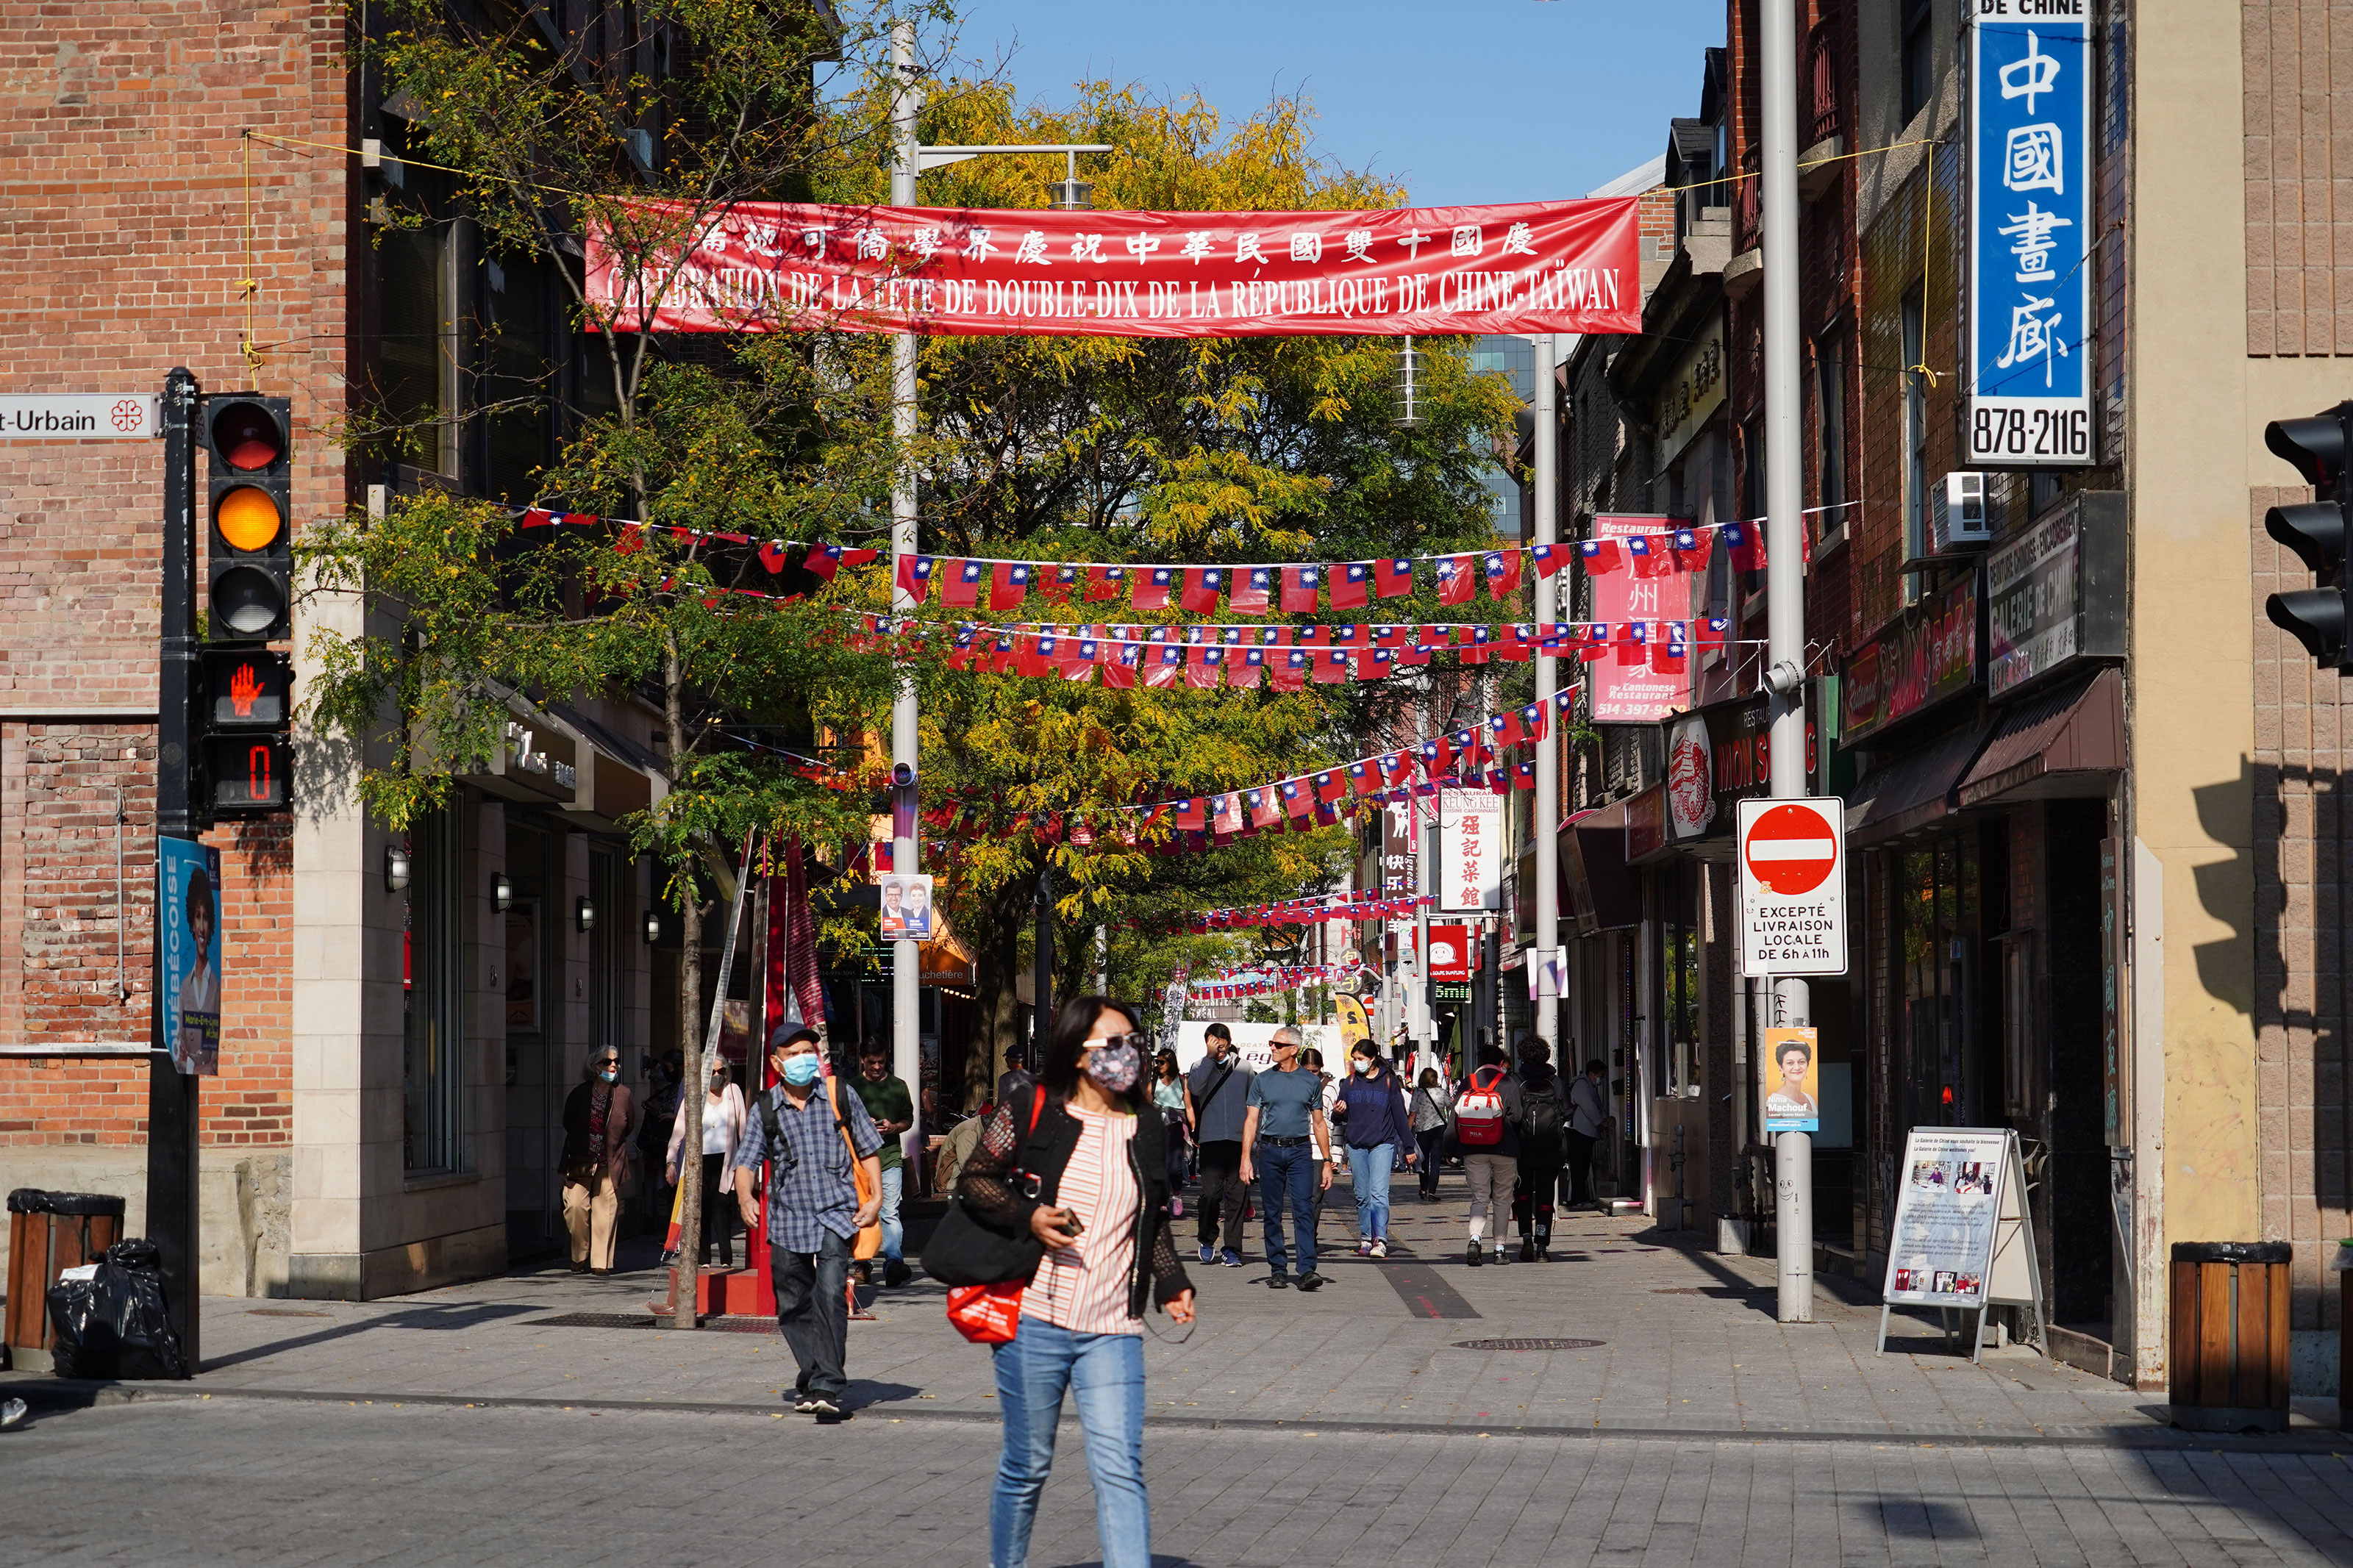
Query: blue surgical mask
{"type": "Point", "coordinates": [802, 1071]}
{"type": "Point", "coordinates": [608, 1074]}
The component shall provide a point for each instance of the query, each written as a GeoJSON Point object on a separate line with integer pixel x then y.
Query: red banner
{"type": "Point", "coordinates": [1537, 267]}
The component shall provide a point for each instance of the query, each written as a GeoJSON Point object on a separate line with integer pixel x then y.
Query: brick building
{"type": "Point", "coordinates": [393, 1057]}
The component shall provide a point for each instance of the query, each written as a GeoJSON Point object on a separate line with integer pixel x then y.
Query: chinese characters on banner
{"type": "Point", "coordinates": [2031, 227]}
{"type": "Point", "coordinates": [1536, 267]}
{"type": "Point", "coordinates": [1469, 850]}
{"type": "Point", "coordinates": [1628, 687]}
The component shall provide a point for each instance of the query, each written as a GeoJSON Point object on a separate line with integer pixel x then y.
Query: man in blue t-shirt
{"type": "Point", "coordinates": [1281, 1129]}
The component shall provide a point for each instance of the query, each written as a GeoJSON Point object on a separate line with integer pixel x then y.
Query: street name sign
{"type": "Point", "coordinates": [81, 416]}
{"type": "Point", "coordinates": [1792, 863]}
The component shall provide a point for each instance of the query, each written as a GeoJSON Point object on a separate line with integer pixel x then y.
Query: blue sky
{"type": "Point", "coordinates": [1466, 100]}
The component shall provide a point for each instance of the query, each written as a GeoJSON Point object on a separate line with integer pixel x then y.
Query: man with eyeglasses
{"type": "Point", "coordinates": [809, 1132]}
{"type": "Point", "coordinates": [1281, 1130]}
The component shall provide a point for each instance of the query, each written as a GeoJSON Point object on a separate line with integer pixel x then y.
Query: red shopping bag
{"type": "Point", "coordinates": [987, 1314]}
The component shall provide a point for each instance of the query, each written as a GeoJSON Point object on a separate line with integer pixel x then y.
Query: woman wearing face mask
{"type": "Point", "coordinates": [596, 1160]}
{"type": "Point", "coordinates": [1372, 1103]}
{"type": "Point", "coordinates": [1093, 1187]}
{"type": "Point", "coordinates": [1173, 1100]}
{"type": "Point", "coordinates": [723, 1130]}
{"type": "Point", "coordinates": [1433, 1102]}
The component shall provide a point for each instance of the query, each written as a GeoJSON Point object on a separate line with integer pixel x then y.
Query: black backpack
{"type": "Point", "coordinates": [1544, 1116]}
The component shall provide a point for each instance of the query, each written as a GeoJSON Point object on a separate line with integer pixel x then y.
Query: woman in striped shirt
{"type": "Point", "coordinates": [1087, 1174]}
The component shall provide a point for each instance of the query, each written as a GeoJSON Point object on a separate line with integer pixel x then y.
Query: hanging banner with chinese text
{"type": "Point", "coordinates": [2029, 362]}
{"type": "Point", "coordinates": [1538, 266]}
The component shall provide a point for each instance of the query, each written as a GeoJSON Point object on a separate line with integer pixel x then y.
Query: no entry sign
{"type": "Point", "coordinates": [1792, 859]}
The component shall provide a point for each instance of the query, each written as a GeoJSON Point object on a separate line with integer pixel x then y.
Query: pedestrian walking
{"type": "Point", "coordinates": [1544, 1129]}
{"type": "Point", "coordinates": [722, 1134]}
{"type": "Point", "coordinates": [1486, 1125]}
{"type": "Point", "coordinates": [1588, 1117]}
{"type": "Point", "coordinates": [810, 1134]}
{"type": "Point", "coordinates": [1326, 1168]}
{"type": "Point", "coordinates": [892, 1111]}
{"type": "Point", "coordinates": [1218, 1087]}
{"type": "Point", "coordinates": [1431, 1109]}
{"type": "Point", "coordinates": [1014, 1078]}
{"type": "Point", "coordinates": [1176, 1109]}
{"type": "Point", "coordinates": [1282, 1123]}
{"type": "Point", "coordinates": [1091, 1185]}
{"type": "Point", "coordinates": [1374, 1127]}
{"type": "Point", "coordinates": [596, 1160]}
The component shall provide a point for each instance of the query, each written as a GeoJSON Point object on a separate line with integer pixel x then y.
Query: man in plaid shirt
{"type": "Point", "coordinates": [814, 1215]}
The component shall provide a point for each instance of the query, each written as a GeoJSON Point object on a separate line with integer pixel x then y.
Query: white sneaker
{"type": "Point", "coordinates": [1380, 1249]}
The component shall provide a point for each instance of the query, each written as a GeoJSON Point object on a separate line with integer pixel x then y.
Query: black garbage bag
{"type": "Point", "coordinates": [113, 1324]}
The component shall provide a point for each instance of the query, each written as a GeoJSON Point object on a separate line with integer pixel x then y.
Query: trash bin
{"type": "Point", "coordinates": [47, 1234]}
{"type": "Point", "coordinates": [2227, 1361]}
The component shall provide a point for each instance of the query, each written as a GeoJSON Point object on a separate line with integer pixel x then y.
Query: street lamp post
{"type": "Point", "coordinates": [1547, 800]}
{"type": "Point", "coordinates": [910, 159]}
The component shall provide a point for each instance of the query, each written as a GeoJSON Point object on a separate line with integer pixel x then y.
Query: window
{"type": "Point", "coordinates": [1830, 439]}
{"type": "Point", "coordinates": [1915, 440]}
{"type": "Point", "coordinates": [433, 1038]}
{"type": "Point", "coordinates": [1919, 63]}
{"type": "Point", "coordinates": [609, 967]}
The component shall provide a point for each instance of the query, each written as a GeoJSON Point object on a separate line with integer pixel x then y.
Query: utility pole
{"type": "Point", "coordinates": [1784, 593]}
{"type": "Point", "coordinates": [171, 1093]}
{"type": "Point", "coordinates": [1547, 800]}
{"type": "Point", "coordinates": [906, 954]}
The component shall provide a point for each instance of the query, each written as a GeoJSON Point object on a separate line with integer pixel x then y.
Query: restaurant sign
{"type": "Point", "coordinates": [1932, 656]}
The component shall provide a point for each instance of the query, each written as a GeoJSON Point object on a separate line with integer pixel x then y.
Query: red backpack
{"type": "Point", "coordinates": [1479, 1114]}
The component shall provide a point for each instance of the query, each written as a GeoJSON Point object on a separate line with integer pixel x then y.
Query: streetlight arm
{"type": "Point", "coordinates": [934, 157]}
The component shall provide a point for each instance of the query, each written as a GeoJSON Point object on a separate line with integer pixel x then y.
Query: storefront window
{"type": "Point", "coordinates": [1678, 972]}
{"type": "Point", "coordinates": [1936, 909]}
{"type": "Point", "coordinates": [433, 1043]}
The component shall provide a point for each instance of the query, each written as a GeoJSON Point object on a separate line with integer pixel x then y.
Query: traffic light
{"type": "Point", "coordinates": [246, 706]}
{"type": "Point", "coordinates": [250, 572]}
{"type": "Point", "coordinates": [2319, 446]}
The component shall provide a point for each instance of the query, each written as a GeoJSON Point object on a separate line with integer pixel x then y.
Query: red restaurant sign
{"type": "Point", "coordinates": [1537, 267]}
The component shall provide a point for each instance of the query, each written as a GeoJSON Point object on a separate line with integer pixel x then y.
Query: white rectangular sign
{"type": "Point", "coordinates": [81, 416]}
{"type": "Point", "coordinates": [1469, 850]}
{"type": "Point", "coordinates": [1791, 855]}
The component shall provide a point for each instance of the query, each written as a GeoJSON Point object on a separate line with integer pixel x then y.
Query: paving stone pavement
{"type": "Point", "coordinates": [1687, 1343]}
{"type": "Point", "coordinates": [239, 1480]}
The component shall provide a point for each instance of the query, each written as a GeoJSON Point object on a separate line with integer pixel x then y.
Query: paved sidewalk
{"type": "Point", "coordinates": [1684, 1343]}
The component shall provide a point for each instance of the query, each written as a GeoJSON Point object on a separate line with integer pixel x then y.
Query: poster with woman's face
{"type": "Point", "coordinates": [188, 923]}
{"type": "Point", "coordinates": [1793, 1080]}
{"type": "Point", "coordinates": [906, 908]}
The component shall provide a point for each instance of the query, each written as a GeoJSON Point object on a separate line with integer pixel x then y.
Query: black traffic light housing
{"type": "Point", "coordinates": [2320, 448]}
{"type": "Point", "coordinates": [244, 713]}
{"type": "Point", "coordinates": [249, 445]}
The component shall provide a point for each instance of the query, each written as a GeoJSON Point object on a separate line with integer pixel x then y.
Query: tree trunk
{"type": "Point", "coordinates": [685, 1286]}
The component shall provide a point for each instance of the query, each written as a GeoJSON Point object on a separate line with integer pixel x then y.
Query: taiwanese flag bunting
{"type": "Point", "coordinates": [1207, 668]}
{"type": "Point", "coordinates": [1032, 656]}
{"type": "Point", "coordinates": [1334, 666]}
{"type": "Point", "coordinates": [960, 649]}
{"type": "Point", "coordinates": [1551, 558]}
{"type": "Point", "coordinates": [1265, 811]}
{"type": "Point", "coordinates": [1010, 586]}
{"type": "Point", "coordinates": [1387, 637]}
{"type": "Point", "coordinates": [1348, 588]}
{"type": "Point", "coordinates": [1083, 667]}
{"type": "Point", "coordinates": [1191, 815]}
{"type": "Point", "coordinates": [1502, 570]}
{"type": "Point", "coordinates": [1519, 643]}
{"type": "Point", "coordinates": [915, 576]}
{"type": "Point", "coordinates": [1330, 786]}
{"type": "Point", "coordinates": [1250, 589]}
{"type": "Point", "coordinates": [1633, 642]}
{"type": "Point", "coordinates": [1456, 583]}
{"type": "Point", "coordinates": [1399, 767]}
{"type": "Point", "coordinates": [1005, 657]}
{"type": "Point", "coordinates": [1244, 671]}
{"type": "Point", "coordinates": [962, 586]}
{"type": "Point", "coordinates": [1601, 556]}
{"type": "Point", "coordinates": [1393, 575]}
{"type": "Point", "coordinates": [1315, 636]}
{"type": "Point", "coordinates": [1295, 798]}
{"type": "Point", "coordinates": [1506, 729]}
{"type": "Point", "coordinates": [1372, 663]}
{"type": "Point", "coordinates": [1648, 555]}
{"type": "Point", "coordinates": [1744, 543]}
{"type": "Point", "coordinates": [1199, 594]}
{"type": "Point", "coordinates": [1300, 586]}
{"type": "Point", "coordinates": [1690, 546]}
{"type": "Point", "coordinates": [1350, 636]}
{"type": "Point", "coordinates": [1534, 722]}
{"type": "Point", "coordinates": [1362, 779]}
{"type": "Point", "coordinates": [1524, 775]}
{"type": "Point", "coordinates": [1226, 814]}
{"type": "Point", "coordinates": [1291, 673]}
{"type": "Point", "coordinates": [1106, 582]}
{"type": "Point", "coordinates": [1499, 779]}
{"type": "Point", "coordinates": [1433, 637]}
{"type": "Point", "coordinates": [1667, 650]}
{"type": "Point", "coordinates": [1482, 640]}
{"type": "Point", "coordinates": [1152, 586]}
{"type": "Point", "coordinates": [1709, 631]}
{"type": "Point", "coordinates": [1163, 663]}
{"type": "Point", "coordinates": [1057, 580]}
{"type": "Point", "coordinates": [820, 565]}
{"type": "Point", "coordinates": [1436, 756]}
{"type": "Point", "coordinates": [1592, 640]}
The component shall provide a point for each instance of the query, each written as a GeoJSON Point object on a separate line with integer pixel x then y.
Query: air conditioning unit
{"type": "Point", "coordinates": [1956, 513]}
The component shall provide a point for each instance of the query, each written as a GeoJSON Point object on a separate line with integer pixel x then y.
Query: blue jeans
{"type": "Point", "coordinates": [1287, 1174]}
{"type": "Point", "coordinates": [1106, 1370]}
{"type": "Point", "coordinates": [1368, 1174]}
{"type": "Point", "coordinates": [894, 1234]}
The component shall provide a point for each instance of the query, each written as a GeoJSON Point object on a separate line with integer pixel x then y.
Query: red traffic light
{"type": "Point", "coordinates": [246, 438]}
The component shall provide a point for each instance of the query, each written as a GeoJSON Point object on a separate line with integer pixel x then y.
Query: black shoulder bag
{"type": "Point", "coordinates": [965, 1251]}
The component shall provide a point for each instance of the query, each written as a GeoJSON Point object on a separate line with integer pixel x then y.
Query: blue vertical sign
{"type": "Point", "coordinates": [188, 967]}
{"type": "Point", "coordinates": [2030, 230]}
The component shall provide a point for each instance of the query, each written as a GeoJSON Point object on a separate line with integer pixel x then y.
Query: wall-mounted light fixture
{"type": "Point", "coordinates": [653, 927]}
{"type": "Point", "coordinates": [583, 913]}
{"type": "Point", "coordinates": [502, 893]}
{"type": "Point", "coordinates": [395, 869]}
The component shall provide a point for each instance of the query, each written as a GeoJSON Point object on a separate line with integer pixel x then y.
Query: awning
{"type": "Point", "coordinates": [2062, 746]}
{"type": "Point", "coordinates": [1601, 894]}
{"type": "Point", "coordinates": [1915, 789]}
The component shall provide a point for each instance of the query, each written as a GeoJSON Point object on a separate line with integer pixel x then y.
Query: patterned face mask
{"type": "Point", "coordinates": [1115, 1065]}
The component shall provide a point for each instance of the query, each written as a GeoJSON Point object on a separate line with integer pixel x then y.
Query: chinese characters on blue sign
{"type": "Point", "coordinates": [2030, 362]}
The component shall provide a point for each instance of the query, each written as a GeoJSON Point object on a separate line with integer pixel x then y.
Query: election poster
{"type": "Point", "coordinates": [906, 908]}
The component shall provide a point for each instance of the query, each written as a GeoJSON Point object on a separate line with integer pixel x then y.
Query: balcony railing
{"type": "Point", "coordinates": [1747, 205]}
{"type": "Point", "coordinates": [1821, 62]}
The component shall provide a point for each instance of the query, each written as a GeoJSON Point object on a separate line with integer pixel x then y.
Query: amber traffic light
{"type": "Point", "coordinates": [248, 448]}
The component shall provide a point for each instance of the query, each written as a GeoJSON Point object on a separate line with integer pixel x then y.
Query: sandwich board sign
{"type": "Point", "coordinates": [1792, 863]}
{"type": "Point", "coordinates": [1962, 1237]}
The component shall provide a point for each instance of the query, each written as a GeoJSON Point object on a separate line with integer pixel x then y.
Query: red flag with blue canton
{"type": "Point", "coordinates": [1348, 586]}
{"type": "Point", "coordinates": [1647, 554]}
{"type": "Point", "coordinates": [915, 576]}
{"type": "Point", "coordinates": [1691, 547]}
{"type": "Point", "coordinates": [1010, 586]}
{"type": "Point", "coordinates": [1104, 582]}
{"type": "Point", "coordinates": [1502, 567]}
{"type": "Point", "coordinates": [1456, 581]}
{"type": "Point", "coordinates": [1251, 586]}
{"type": "Point", "coordinates": [1152, 587]}
{"type": "Point", "coordinates": [1551, 558]}
{"type": "Point", "coordinates": [1300, 586]}
{"type": "Point", "coordinates": [1393, 575]}
{"type": "Point", "coordinates": [1199, 594]}
{"type": "Point", "coordinates": [964, 581]}
{"type": "Point", "coordinates": [1601, 556]}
